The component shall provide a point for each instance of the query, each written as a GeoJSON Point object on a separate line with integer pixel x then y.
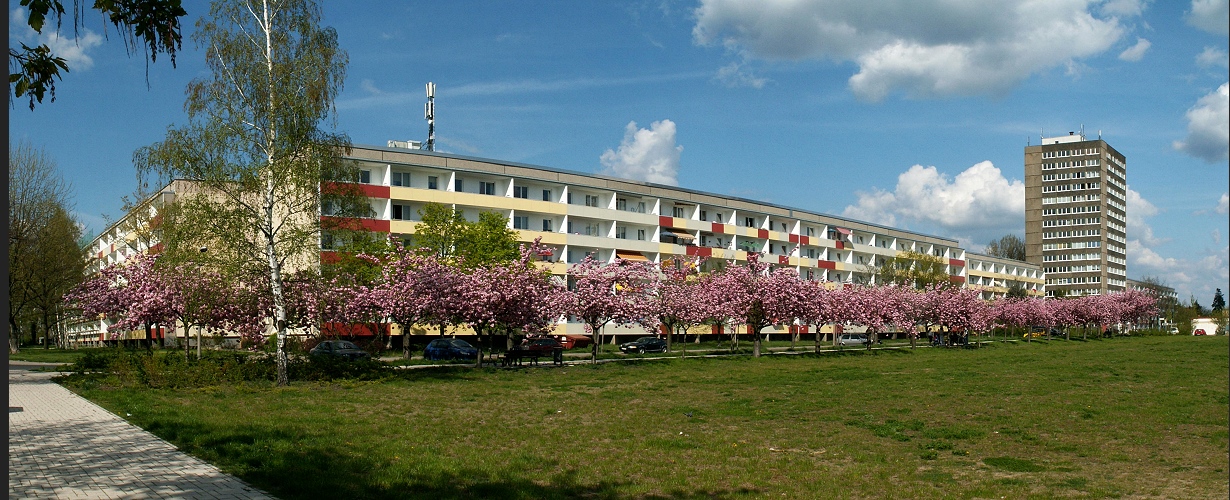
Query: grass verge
{"type": "Point", "coordinates": [1105, 418]}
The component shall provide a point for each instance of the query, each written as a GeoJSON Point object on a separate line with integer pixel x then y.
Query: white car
{"type": "Point", "coordinates": [853, 339]}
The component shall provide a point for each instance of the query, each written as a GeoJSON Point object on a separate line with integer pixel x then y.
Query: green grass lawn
{"type": "Point", "coordinates": [52, 355]}
{"type": "Point", "coordinates": [1124, 417]}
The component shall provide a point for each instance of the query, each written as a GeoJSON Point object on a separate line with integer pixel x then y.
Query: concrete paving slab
{"type": "Point", "coordinates": [63, 446]}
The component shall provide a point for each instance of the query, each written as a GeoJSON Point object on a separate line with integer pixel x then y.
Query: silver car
{"type": "Point", "coordinates": [853, 339]}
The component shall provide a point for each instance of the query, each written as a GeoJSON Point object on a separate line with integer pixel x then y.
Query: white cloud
{"type": "Point", "coordinates": [74, 50]}
{"type": "Point", "coordinates": [1211, 57]}
{"type": "Point", "coordinates": [649, 155]}
{"type": "Point", "coordinates": [1198, 275]}
{"type": "Point", "coordinates": [1137, 209]}
{"type": "Point", "coordinates": [1136, 52]}
{"type": "Point", "coordinates": [1208, 127]}
{"type": "Point", "coordinates": [369, 86]}
{"type": "Point", "coordinates": [979, 200]}
{"type": "Point", "coordinates": [733, 75]}
{"type": "Point", "coordinates": [1212, 16]}
{"type": "Point", "coordinates": [924, 49]}
{"type": "Point", "coordinates": [1223, 205]}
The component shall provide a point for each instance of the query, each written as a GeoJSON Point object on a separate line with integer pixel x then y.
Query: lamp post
{"type": "Point", "coordinates": [203, 250]}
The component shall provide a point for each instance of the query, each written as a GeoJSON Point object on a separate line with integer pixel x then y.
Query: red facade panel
{"type": "Point", "coordinates": [794, 238]}
{"type": "Point", "coordinates": [376, 225]}
{"type": "Point", "coordinates": [665, 221]}
{"type": "Point", "coordinates": [783, 259]}
{"type": "Point", "coordinates": [824, 264]}
{"type": "Point", "coordinates": [840, 245]}
{"type": "Point", "coordinates": [762, 234]}
{"type": "Point", "coordinates": [956, 262]}
{"type": "Point", "coordinates": [718, 227]}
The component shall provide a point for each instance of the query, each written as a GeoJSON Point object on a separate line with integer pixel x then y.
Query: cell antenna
{"type": "Point", "coordinates": [429, 113]}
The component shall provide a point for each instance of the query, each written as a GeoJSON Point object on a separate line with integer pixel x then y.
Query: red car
{"type": "Point", "coordinates": [1199, 331]}
{"type": "Point", "coordinates": [542, 346]}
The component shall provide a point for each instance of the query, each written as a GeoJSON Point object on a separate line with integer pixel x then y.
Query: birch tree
{"type": "Point", "coordinates": [256, 143]}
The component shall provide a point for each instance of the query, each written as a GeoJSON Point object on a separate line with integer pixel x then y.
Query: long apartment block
{"type": "Point", "coordinates": [1076, 214]}
{"type": "Point", "coordinates": [579, 214]}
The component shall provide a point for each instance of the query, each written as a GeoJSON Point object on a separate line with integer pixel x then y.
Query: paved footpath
{"type": "Point", "coordinates": [62, 446]}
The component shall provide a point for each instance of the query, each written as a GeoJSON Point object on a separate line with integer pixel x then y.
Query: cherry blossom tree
{"type": "Point", "coordinates": [416, 287]}
{"type": "Point", "coordinates": [513, 297]}
{"type": "Point", "coordinates": [677, 306]}
{"type": "Point", "coordinates": [620, 292]}
{"type": "Point", "coordinates": [753, 296]}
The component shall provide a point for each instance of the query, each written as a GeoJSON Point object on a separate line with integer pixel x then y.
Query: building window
{"type": "Point", "coordinates": [433, 182]}
{"type": "Point", "coordinates": [365, 176]}
{"type": "Point", "coordinates": [546, 225]}
{"type": "Point", "coordinates": [719, 218]}
{"type": "Point", "coordinates": [487, 188]}
{"type": "Point", "coordinates": [521, 192]}
{"type": "Point", "coordinates": [678, 212]}
{"type": "Point", "coordinates": [621, 232]}
{"type": "Point", "coordinates": [397, 212]}
{"type": "Point", "coordinates": [591, 200]}
{"type": "Point", "coordinates": [326, 241]}
{"type": "Point", "coordinates": [749, 222]}
{"type": "Point", "coordinates": [401, 178]}
{"type": "Point", "coordinates": [546, 195]}
{"type": "Point", "coordinates": [457, 185]}
{"type": "Point", "coordinates": [621, 204]}
{"type": "Point", "coordinates": [521, 222]}
{"type": "Point", "coordinates": [704, 215]}
{"type": "Point", "coordinates": [640, 207]}
{"type": "Point", "coordinates": [640, 234]}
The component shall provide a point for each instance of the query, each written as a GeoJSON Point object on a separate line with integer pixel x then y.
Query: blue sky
{"type": "Point", "coordinates": [903, 112]}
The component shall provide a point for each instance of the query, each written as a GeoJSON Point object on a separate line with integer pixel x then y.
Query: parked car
{"type": "Point", "coordinates": [449, 349]}
{"type": "Point", "coordinates": [573, 341]}
{"type": "Point", "coordinates": [340, 349]}
{"type": "Point", "coordinates": [644, 344]}
{"type": "Point", "coordinates": [543, 346]}
{"type": "Point", "coordinates": [853, 339]}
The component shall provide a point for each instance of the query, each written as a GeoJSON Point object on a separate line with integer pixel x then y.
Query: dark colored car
{"type": "Point", "coordinates": [449, 349]}
{"type": "Point", "coordinates": [644, 344]}
{"type": "Point", "coordinates": [340, 349]}
{"type": "Point", "coordinates": [542, 346]}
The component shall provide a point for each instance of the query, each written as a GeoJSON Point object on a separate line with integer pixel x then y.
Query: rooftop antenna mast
{"type": "Point", "coordinates": [429, 113]}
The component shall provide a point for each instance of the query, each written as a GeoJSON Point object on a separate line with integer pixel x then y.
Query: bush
{"type": "Point", "coordinates": [171, 370]}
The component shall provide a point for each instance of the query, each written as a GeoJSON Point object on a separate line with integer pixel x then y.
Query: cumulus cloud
{"type": "Point", "coordinates": [921, 48]}
{"type": "Point", "coordinates": [649, 155]}
{"type": "Point", "coordinates": [1223, 205]}
{"type": "Point", "coordinates": [734, 75]}
{"type": "Point", "coordinates": [1212, 16]}
{"type": "Point", "coordinates": [978, 201]}
{"type": "Point", "coordinates": [1136, 52]}
{"type": "Point", "coordinates": [1138, 208]}
{"type": "Point", "coordinates": [1208, 127]}
{"type": "Point", "coordinates": [1197, 275]}
{"type": "Point", "coordinates": [74, 50]}
{"type": "Point", "coordinates": [1211, 57]}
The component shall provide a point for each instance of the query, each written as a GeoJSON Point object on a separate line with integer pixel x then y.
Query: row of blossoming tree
{"type": "Point", "coordinates": [519, 298]}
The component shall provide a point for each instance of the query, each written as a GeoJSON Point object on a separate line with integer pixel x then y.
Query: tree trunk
{"type": "Point", "coordinates": [756, 344]}
{"type": "Point", "coordinates": [595, 331]}
{"type": "Point", "coordinates": [670, 332]}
